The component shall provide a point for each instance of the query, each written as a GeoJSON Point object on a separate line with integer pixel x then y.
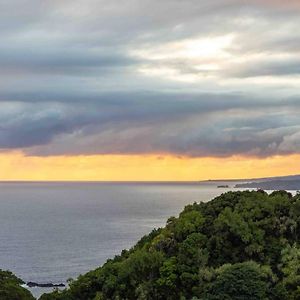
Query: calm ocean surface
{"type": "Point", "coordinates": [50, 232]}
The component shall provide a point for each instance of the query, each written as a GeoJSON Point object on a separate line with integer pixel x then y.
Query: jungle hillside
{"type": "Point", "coordinates": [240, 245]}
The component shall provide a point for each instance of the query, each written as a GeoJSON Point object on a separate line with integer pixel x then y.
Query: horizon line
{"type": "Point", "coordinates": [145, 181]}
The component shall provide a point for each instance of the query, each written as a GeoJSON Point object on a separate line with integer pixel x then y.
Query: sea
{"type": "Point", "coordinates": [53, 231]}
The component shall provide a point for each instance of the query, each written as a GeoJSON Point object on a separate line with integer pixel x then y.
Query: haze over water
{"type": "Point", "coordinates": [53, 231]}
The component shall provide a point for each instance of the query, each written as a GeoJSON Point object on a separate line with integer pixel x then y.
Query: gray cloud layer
{"type": "Point", "coordinates": [97, 77]}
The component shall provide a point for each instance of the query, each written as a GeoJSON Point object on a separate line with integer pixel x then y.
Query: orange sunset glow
{"type": "Point", "coordinates": [16, 166]}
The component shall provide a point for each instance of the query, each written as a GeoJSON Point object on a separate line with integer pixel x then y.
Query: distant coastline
{"type": "Point", "coordinates": [292, 185]}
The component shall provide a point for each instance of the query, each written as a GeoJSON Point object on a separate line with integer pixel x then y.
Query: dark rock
{"type": "Point", "coordinates": [44, 285]}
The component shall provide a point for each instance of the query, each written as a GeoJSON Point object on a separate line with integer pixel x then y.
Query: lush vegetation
{"type": "Point", "coordinates": [11, 289]}
{"type": "Point", "coordinates": [241, 245]}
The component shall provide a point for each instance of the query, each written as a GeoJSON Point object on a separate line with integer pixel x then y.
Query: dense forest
{"type": "Point", "coordinates": [241, 245]}
{"type": "Point", "coordinates": [11, 289]}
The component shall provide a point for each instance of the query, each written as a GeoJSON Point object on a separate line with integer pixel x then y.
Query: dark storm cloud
{"type": "Point", "coordinates": [152, 123]}
{"type": "Point", "coordinates": [277, 67]}
{"type": "Point", "coordinates": [63, 61]}
{"type": "Point", "coordinates": [97, 77]}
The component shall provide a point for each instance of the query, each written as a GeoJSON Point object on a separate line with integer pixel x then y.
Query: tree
{"type": "Point", "coordinates": [11, 289]}
{"type": "Point", "coordinates": [241, 281]}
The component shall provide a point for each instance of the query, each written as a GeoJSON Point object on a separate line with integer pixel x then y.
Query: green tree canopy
{"type": "Point", "coordinates": [240, 245]}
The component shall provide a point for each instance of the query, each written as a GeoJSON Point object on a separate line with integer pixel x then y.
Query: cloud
{"type": "Point", "coordinates": [143, 123]}
{"type": "Point", "coordinates": [191, 78]}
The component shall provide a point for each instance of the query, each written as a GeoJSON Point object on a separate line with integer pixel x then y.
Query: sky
{"type": "Point", "coordinates": [149, 90]}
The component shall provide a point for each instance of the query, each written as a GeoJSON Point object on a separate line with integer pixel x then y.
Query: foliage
{"type": "Point", "coordinates": [239, 281]}
{"type": "Point", "coordinates": [11, 289]}
{"type": "Point", "coordinates": [240, 245]}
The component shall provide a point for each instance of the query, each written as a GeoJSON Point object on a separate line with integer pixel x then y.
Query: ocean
{"type": "Point", "coordinates": [50, 232]}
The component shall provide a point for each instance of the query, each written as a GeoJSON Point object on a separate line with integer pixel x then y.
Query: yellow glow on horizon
{"type": "Point", "coordinates": [16, 166]}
